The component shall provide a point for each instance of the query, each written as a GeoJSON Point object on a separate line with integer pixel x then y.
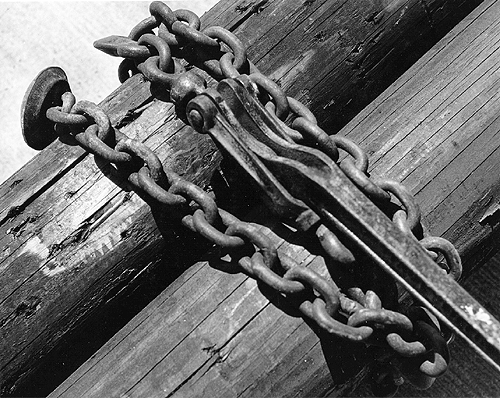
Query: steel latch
{"type": "Point", "coordinates": [304, 186]}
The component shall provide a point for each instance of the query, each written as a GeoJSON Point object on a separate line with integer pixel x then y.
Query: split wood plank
{"type": "Point", "coordinates": [77, 241]}
{"type": "Point", "coordinates": [245, 345]}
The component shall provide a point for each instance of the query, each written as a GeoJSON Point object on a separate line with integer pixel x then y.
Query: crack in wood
{"type": "Point", "coordinates": [491, 216]}
{"type": "Point", "coordinates": [428, 13]}
{"type": "Point", "coordinates": [254, 8]}
{"type": "Point", "coordinates": [15, 183]}
{"type": "Point", "coordinates": [19, 229]}
{"type": "Point", "coordinates": [26, 308]}
{"type": "Point", "coordinates": [89, 225]}
{"type": "Point", "coordinates": [134, 113]}
{"type": "Point", "coordinates": [15, 210]}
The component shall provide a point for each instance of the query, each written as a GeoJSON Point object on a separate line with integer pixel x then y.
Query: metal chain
{"type": "Point", "coordinates": [416, 337]}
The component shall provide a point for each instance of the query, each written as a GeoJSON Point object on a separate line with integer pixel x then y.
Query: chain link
{"type": "Point", "coordinates": [415, 338]}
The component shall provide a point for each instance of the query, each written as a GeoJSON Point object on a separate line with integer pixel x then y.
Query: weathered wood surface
{"type": "Point", "coordinates": [66, 40]}
{"type": "Point", "coordinates": [75, 243]}
{"type": "Point", "coordinates": [468, 375]}
{"type": "Point", "coordinates": [211, 333]}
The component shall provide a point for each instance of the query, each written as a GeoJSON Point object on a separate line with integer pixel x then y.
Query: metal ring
{"type": "Point", "coordinates": [145, 26]}
{"type": "Point", "coordinates": [182, 15]}
{"type": "Point", "coordinates": [400, 218]}
{"type": "Point", "coordinates": [360, 156]}
{"type": "Point", "coordinates": [96, 113]}
{"type": "Point", "coordinates": [381, 316]}
{"type": "Point", "coordinates": [57, 115]}
{"type": "Point", "coordinates": [357, 171]}
{"type": "Point", "coordinates": [372, 300]}
{"type": "Point", "coordinates": [93, 143]}
{"type": "Point", "coordinates": [230, 39]}
{"type": "Point", "coordinates": [143, 152]}
{"type": "Point", "coordinates": [291, 135]}
{"type": "Point", "coordinates": [405, 198]}
{"type": "Point", "coordinates": [208, 231]}
{"type": "Point", "coordinates": [187, 32]}
{"type": "Point", "coordinates": [186, 86]}
{"type": "Point", "coordinates": [257, 238]}
{"type": "Point", "coordinates": [323, 318]}
{"type": "Point", "coordinates": [192, 36]}
{"type": "Point", "coordinates": [356, 294]}
{"type": "Point", "coordinates": [165, 62]}
{"type": "Point", "coordinates": [126, 66]}
{"type": "Point", "coordinates": [405, 348]}
{"type": "Point", "coordinates": [151, 71]}
{"type": "Point", "coordinates": [263, 273]}
{"type": "Point", "coordinates": [439, 356]}
{"type": "Point", "coordinates": [449, 251]}
{"type": "Point", "coordinates": [275, 91]}
{"type": "Point", "coordinates": [301, 111]}
{"type": "Point", "coordinates": [227, 68]}
{"type": "Point", "coordinates": [227, 218]}
{"type": "Point", "coordinates": [151, 187]}
{"type": "Point", "coordinates": [162, 11]}
{"type": "Point", "coordinates": [328, 291]}
{"type": "Point", "coordinates": [334, 247]}
{"type": "Point", "coordinates": [365, 184]}
{"type": "Point", "coordinates": [68, 101]}
{"type": "Point", "coordinates": [199, 196]}
{"type": "Point", "coordinates": [318, 136]}
{"type": "Point", "coordinates": [349, 306]}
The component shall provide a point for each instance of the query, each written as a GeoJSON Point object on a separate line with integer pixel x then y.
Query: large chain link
{"type": "Point", "coordinates": [166, 59]}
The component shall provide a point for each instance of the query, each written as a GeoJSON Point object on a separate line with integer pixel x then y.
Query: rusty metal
{"type": "Point", "coordinates": [279, 98]}
{"type": "Point", "coordinates": [318, 312]}
{"type": "Point", "coordinates": [165, 62]}
{"type": "Point", "coordinates": [121, 46]}
{"type": "Point", "coordinates": [126, 69]}
{"type": "Point", "coordinates": [443, 246]}
{"type": "Point", "coordinates": [250, 232]}
{"type": "Point", "coordinates": [313, 178]}
{"type": "Point", "coordinates": [182, 15]}
{"type": "Point", "coordinates": [44, 92]}
{"type": "Point", "coordinates": [62, 114]}
{"type": "Point", "coordinates": [307, 187]}
{"type": "Point", "coordinates": [145, 26]}
{"type": "Point", "coordinates": [137, 149]}
{"type": "Point", "coordinates": [335, 249]}
{"type": "Point", "coordinates": [189, 33]}
{"type": "Point", "coordinates": [157, 192]}
{"type": "Point", "coordinates": [262, 272]}
{"type": "Point", "coordinates": [412, 211]}
{"type": "Point", "coordinates": [208, 231]}
{"type": "Point", "coordinates": [317, 136]}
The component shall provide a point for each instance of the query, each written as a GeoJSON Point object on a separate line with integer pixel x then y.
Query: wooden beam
{"type": "Point", "coordinates": [79, 246]}
{"type": "Point", "coordinates": [215, 334]}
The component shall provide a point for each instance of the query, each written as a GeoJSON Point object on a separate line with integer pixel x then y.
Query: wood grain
{"type": "Point", "coordinates": [444, 125]}
{"type": "Point", "coordinates": [78, 245]}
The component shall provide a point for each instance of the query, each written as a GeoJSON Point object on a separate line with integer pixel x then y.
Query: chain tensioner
{"type": "Point", "coordinates": [277, 142]}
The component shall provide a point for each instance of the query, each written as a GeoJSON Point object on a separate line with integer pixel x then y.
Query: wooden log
{"type": "Point", "coordinates": [467, 376]}
{"type": "Point", "coordinates": [79, 247]}
{"type": "Point", "coordinates": [213, 334]}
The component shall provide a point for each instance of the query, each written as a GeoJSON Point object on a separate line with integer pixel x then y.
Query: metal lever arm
{"type": "Point", "coordinates": [307, 177]}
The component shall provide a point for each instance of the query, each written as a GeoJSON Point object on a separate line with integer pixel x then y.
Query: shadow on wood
{"type": "Point", "coordinates": [62, 296]}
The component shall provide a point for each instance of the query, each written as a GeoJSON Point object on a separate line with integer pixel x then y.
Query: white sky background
{"type": "Point", "coordinates": [35, 35]}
